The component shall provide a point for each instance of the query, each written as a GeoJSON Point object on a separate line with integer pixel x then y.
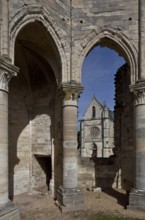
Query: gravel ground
{"type": "Point", "coordinates": [108, 202]}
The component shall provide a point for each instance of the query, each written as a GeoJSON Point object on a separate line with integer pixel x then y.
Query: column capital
{"type": "Point", "coordinates": [71, 90]}
{"type": "Point", "coordinates": [138, 90]}
{"type": "Point", "coordinates": [7, 71]}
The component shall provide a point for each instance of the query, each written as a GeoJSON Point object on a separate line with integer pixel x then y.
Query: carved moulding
{"type": "Point", "coordinates": [7, 71]}
{"type": "Point", "coordinates": [71, 91]}
{"type": "Point", "coordinates": [138, 91]}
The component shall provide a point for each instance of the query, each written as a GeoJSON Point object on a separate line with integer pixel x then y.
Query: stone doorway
{"type": "Point", "coordinates": [41, 173]}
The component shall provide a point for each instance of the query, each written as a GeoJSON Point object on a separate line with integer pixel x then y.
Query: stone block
{"type": "Point", "coordinates": [70, 199]}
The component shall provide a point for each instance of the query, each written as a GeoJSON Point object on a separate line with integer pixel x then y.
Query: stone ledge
{"type": "Point", "coordinates": [9, 212]}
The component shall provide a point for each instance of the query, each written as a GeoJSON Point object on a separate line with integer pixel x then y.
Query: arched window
{"type": "Point", "coordinates": [93, 112]}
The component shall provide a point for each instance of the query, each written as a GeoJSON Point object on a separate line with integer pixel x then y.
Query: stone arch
{"type": "Point", "coordinates": [30, 14]}
{"type": "Point", "coordinates": [27, 17]}
{"type": "Point", "coordinates": [114, 39]}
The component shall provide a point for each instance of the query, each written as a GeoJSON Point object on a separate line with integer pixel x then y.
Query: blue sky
{"type": "Point", "coordinates": [98, 71]}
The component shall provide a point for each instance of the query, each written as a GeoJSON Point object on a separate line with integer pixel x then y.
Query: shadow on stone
{"type": "Point", "coordinates": [121, 198]}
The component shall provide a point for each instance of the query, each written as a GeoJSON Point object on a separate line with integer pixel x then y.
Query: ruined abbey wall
{"type": "Point", "coordinates": [52, 38]}
{"type": "Point", "coordinates": [79, 25]}
{"type": "Point", "coordinates": [31, 129]}
{"type": "Point", "coordinates": [99, 20]}
{"type": "Point", "coordinates": [124, 139]}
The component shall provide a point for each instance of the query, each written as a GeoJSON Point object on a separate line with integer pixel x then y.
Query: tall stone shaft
{"type": "Point", "coordinates": [140, 140]}
{"type": "Point", "coordinates": [3, 147]}
{"type": "Point", "coordinates": [7, 209]}
{"type": "Point", "coordinates": [141, 40]}
{"type": "Point", "coordinates": [70, 197]}
{"type": "Point", "coordinates": [70, 143]}
{"type": "Point", "coordinates": [4, 30]}
{"type": "Point", "coordinates": [137, 196]}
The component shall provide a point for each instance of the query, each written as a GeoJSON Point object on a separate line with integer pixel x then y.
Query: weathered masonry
{"type": "Point", "coordinates": [43, 44]}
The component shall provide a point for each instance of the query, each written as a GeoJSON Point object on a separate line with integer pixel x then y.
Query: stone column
{"type": "Point", "coordinates": [137, 196]}
{"type": "Point", "coordinates": [7, 209]}
{"type": "Point", "coordinates": [141, 39]}
{"type": "Point", "coordinates": [70, 197]}
{"type": "Point", "coordinates": [4, 33]}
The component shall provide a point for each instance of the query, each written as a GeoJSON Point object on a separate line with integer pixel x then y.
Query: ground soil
{"type": "Point", "coordinates": [42, 206]}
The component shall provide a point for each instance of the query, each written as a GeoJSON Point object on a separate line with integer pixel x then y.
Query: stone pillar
{"type": "Point", "coordinates": [141, 39]}
{"type": "Point", "coordinates": [69, 195]}
{"type": "Point", "coordinates": [7, 209]}
{"type": "Point", "coordinates": [137, 196]}
{"type": "Point", "coordinates": [4, 33]}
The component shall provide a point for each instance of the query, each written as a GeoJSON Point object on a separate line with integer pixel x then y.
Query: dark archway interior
{"type": "Point", "coordinates": [45, 172]}
{"type": "Point", "coordinates": [32, 109]}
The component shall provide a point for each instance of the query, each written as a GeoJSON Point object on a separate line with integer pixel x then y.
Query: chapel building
{"type": "Point", "coordinates": [97, 131]}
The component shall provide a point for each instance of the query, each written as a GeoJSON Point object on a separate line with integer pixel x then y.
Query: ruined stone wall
{"type": "Point", "coordinates": [108, 173]}
{"type": "Point", "coordinates": [94, 14]}
{"type": "Point", "coordinates": [19, 139]}
{"type": "Point", "coordinates": [59, 10]}
{"type": "Point", "coordinates": [79, 25]}
{"type": "Point", "coordinates": [31, 130]}
{"type": "Point", "coordinates": [42, 120]}
{"type": "Point", "coordinates": [86, 172]}
{"type": "Point", "coordinates": [124, 145]}
{"type": "Point", "coordinates": [42, 133]}
{"type": "Point", "coordinates": [92, 18]}
{"type": "Point", "coordinates": [99, 172]}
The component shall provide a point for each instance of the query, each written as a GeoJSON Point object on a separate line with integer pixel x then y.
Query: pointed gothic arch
{"type": "Point", "coordinates": [40, 14]}
{"type": "Point", "coordinates": [114, 39]}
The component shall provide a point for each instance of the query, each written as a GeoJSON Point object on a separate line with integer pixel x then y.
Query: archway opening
{"type": "Point", "coordinates": [106, 141]}
{"type": "Point", "coordinates": [32, 109]}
